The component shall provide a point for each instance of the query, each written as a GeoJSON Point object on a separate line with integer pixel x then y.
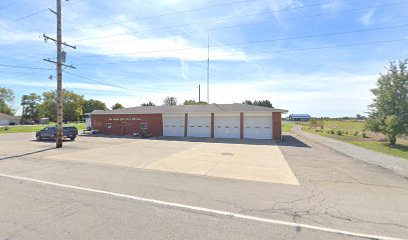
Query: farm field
{"type": "Point", "coordinates": [354, 132]}
{"type": "Point", "coordinates": [34, 128]}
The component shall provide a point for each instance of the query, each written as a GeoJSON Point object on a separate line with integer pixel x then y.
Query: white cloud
{"type": "Point", "coordinates": [366, 19]}
{"type": "Point", "coordinates": [278, 6]}
{"type": "Point", "coordinates": [184, 69]}
{"type": "Point", "coordinates": [333, 6]}
{"type": "Point", "coordinates": [130, 46]}
{"type": "Point", "coordinates": [9, 35]}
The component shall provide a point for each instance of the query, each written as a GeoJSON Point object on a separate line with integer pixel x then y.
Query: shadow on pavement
{"type": "Point", "coordinates": [50, 140]}
{"type": "Point", "coordinates": [290, 141]}
{"type": "Point", "coordinates": [26, 154]}
{"type": "Point", "coordinates": [191, 139]}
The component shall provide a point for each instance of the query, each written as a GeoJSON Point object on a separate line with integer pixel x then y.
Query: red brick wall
{"type": "Point", "coordinates": [277, 126]}
{"type": "Point", "coordinates": [212, 125]}
{"type": "Point", "coordinates": [125, 124]}
{"type": "Point", "coordinates": [241, 125]}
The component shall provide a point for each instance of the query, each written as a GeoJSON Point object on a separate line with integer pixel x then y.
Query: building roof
{"type": "Point", "coordinates": [299, 116]}
{"type": "Point", "coordinates": [4, 116]}
{"type": "Point", "coordinates": [208, 108]}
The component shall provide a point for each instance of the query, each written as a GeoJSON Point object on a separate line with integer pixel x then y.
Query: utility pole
{"type": "Point", "coordinates": [208, 70]}
{"type": "Point", "coordinates": [199, 93]}
{"type": "Point", "coordinates": [60, 59]}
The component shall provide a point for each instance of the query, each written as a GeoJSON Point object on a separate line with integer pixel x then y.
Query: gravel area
{"type": "Point", "coordinates": [396, 164]}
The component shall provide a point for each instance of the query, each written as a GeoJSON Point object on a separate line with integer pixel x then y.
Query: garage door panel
{"type": "Point", "coordinates": [258, 127]}
{"type": "Point", "coordinates": [227, 127]}
{"type": "Point", "coordinates": [173, 126]}
{"type": "Point", "coordinates": [199, 126]}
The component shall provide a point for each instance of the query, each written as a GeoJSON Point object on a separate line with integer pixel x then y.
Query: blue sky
{"type": "Point", "coordinates": [317, 57]}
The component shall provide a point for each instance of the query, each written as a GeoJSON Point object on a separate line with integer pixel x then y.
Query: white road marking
{"type": "Point", "coordinates": [206, 210]}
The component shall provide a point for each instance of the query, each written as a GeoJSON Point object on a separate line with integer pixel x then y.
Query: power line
{"type": "Point", "coordinates": [30, 15]}
{"type": "Point", "coordinates": [266, 40]}
{"type": "Point", "coordinates": [225, 55]}
{"type": "Point", "coordinates": [124, 88]}
{"type": "Point", "coordinates": [255, 53]}
{"type": "Point", "coordinates": [22, 73]}
{"type": "Point", "coordinates": [15, 66]}
{"type": "Point", "coordinates": [163, 15]}
{"type": "Point", "coordinates": [240, 16]}
{"type": "Point", "coordinates": [318, 48]}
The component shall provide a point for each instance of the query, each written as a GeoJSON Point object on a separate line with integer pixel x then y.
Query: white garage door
{"type": "Point", "coordinates": [226, 127]}
{"type": "Point", "coordinates": [199, 126]}
{"type": "Point", "coordinates": [173, 126]}
{"type": "Point", "coordinates": [256, 127]}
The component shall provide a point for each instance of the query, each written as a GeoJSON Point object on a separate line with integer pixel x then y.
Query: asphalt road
{"type": "Point", "coordinates": [335, 192]}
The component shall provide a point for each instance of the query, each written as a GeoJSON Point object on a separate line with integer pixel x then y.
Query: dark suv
{"type": "Point", "coordinates": [51, 133]}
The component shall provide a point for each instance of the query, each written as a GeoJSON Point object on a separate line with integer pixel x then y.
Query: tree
{"type": "Point", "coordinates": [72, 106]}
{"type": "Point", "coordinates": [6, 97]}
{"type": "Point", "coordinates": [92, 104]}
{"type": "Point", "coordinates": [248, 102]}
{"type": "Point", "coordinates": [262, 103]}
{"type": "Point", "coordinates": [170, 101]}
{"type": "Point", "coordinates": [117, 106]}
{"type": "Point", "coordinates": [389, 111]}
{"type": "Point", "coordinates": [148, 104]}
{"type": "Point", "coordinates": [30, 104]}
{"type": "Point", "coordinates": [193, 102]}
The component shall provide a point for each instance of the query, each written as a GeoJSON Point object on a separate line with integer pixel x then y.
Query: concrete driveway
{"type": "Point", "coordinates": [46, 195]}
{"type": "Point", "coordinates": [236, 159]}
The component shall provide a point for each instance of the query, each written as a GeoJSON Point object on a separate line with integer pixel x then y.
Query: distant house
{"type": "Point", "coordinates": [299, 117]}
{"type": "Point", "coordinates": [6, 119]}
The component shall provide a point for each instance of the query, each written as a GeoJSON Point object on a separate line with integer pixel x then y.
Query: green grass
{"type": "Point", "coordinates": [34, 128]}
{"type": "Point", "coordinates": [286, 126]}
{"type": "Point", "coordinates": [399, 150]}
{"type": "Point", "coordinates": [345, 125]}
{"type": "Point", "coordinates": [352, 129]}
{"type": "Point", "coordinates": [344, 130]}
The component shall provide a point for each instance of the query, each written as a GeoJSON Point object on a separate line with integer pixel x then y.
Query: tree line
{"type": "Point", "coordinates": [35, 106]}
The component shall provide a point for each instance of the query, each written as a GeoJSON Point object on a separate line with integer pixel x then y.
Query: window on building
{"type": "Point", "coordinates": [143, 126]}
{"type": "Point", "coordinates": [108, 125]}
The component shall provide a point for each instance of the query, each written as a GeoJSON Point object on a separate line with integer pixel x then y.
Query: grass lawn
{"type": "Point", "coordinates": [399, 150]}
{"type": "Point", "coordinates": [287, 126]}
{"type": "Point", "coordinates": [353, 131]}
{"type": "Point", "coordinates": [34, 128]}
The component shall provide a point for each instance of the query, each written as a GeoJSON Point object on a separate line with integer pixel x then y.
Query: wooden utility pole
{"type": "Point", "coordinates": [59, 63]}
{"type": "Point", "coordinates": [60, 134]}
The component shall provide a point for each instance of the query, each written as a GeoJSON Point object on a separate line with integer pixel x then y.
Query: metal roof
{"type": "Point", "coordinates": [299, 116]}
{"type": "Point", "coordinates": [208, 108]}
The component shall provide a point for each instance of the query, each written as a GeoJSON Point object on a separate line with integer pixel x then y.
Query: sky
{"type": "Point", "coordinates": [306, 56]}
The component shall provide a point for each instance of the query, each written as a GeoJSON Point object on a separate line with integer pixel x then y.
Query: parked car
{"type": "Point", "coordinates": [29, 122]}
{"type": "Point", "coordinates": [51, 133]}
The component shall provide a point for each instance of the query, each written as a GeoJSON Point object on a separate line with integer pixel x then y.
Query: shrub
{"type": "Point", "coordinates": [339, 132]}
{"type": "Point", "coordinates": [355, 133]}
{"type": "Point", "coordinates": [314, 123]}
{"type": "Point", "coordinates": [364, 135]}
{"type": "Point", "coordinates": [331, 131]}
